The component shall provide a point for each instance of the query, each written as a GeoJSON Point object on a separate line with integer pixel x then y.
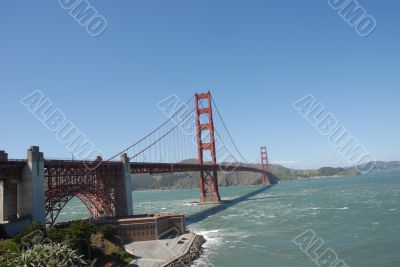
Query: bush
{"type": "Point", "coordinates": [57, 235]}
{"type": "Point", "coordinates": [8, 246]}
{"type": "Point", "coordinates": [108, 251]}
{"type": "Point", "coordinates": [78, 236]}
{"type": "Point", "coordinates": [29, 233]}
{"type": "Point", "coordinates": [49, 255]}
{"type": "Point", "coordinates": [109, 231]}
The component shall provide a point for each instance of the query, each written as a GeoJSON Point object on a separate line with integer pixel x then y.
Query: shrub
{"type": "Point", "coordinates": [78, 236]}
{"type": "Point", "coordinates": [109, 231]}
{"type": "Point", "coordinates": [49, 255]}
{"type": "Point", "coordinates": [29, 233]}
{"type": "Point", "coordinates": [8, 246]}
{"type": "Point", "coordinates": [57, 235]}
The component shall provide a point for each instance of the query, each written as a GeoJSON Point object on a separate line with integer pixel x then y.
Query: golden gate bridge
{"type": "Point", "coordinates": [188, 141]}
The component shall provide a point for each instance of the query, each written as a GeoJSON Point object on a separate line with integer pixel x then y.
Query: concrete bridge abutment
{"type": "Point", "coordinates": [127, 180]}
{"type": "Point", "coordinates": [22, 197]}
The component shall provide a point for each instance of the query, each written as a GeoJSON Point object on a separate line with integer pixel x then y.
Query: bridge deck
{"type": "Point", "coordinates": [180, 167]}
{"type": "Point", "coordinates": [13, 168]}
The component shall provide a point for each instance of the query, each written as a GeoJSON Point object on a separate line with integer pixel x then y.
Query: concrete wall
{"type": "Point", "coordinates": [8, 200]}
{"type": "Point", "coordinates": [128, 184]}
{"type": "Point", "coordinates": [31, 188]}
{"type": "Point", "coordinates": [146, 227]}
{"type": "Point", "coordinates": [8, 196]}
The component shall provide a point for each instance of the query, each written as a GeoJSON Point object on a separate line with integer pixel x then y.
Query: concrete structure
{"type": "Point", "coordinates": [8, 195]}
{"type": "Point", "coordinates": [127, 177]}
{"type": "Point", "coordinates": [8, 200]}
{"type": "Point", "coordinates": [31, 189]}
{"type": "Point", "coordinates": [147, 227]}
{"type": "Point", "coordinates": [23, 196]}
{"type": "Point", "coordinates": [158, 253]}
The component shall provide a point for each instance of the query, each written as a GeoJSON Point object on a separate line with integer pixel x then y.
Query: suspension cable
{"type": "Point", "coordinates": [176, 125]}
{"type": "Point", "coordinates": [226, 129]}
{"type": "Point", "coordinates": [170, 118]}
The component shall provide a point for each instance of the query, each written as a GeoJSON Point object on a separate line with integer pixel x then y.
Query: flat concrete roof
{"type": "Point", "coordinates": [158, 253]}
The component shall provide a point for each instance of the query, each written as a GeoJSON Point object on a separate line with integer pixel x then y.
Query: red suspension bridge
{"type": "Point", "coordinates": [188, 141]}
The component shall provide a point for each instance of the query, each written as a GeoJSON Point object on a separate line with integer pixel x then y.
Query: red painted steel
{"type": "Point", "coordinates": [264, 165]}
{"type": "Point", "coordinates": [102, 189]}
{"type": "Point", "coordinates": [208, 178]}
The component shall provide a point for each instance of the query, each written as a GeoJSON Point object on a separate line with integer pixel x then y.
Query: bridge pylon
{"type": "Point", "coordinates": [205, 129]}
{"type": "Point", "coordinates": [264, 164]}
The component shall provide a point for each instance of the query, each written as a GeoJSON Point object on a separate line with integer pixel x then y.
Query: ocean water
{"type": "Point", "coordinates": [356, 217]}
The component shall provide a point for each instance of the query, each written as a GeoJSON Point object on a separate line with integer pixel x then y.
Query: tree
{"type": "Point", "coordinates": [78, 236]}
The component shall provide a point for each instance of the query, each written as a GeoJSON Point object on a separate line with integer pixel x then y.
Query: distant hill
{"type": "Point", "coordinates": [191, 180]}
{"type": "Point", "coordinates": [379, 166]}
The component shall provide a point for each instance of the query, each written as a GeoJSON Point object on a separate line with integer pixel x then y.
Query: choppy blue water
{"type": "Point", "coordinates": [357, 217]}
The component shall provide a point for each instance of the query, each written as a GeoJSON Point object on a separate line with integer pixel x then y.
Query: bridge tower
{"type": "Point", "coordinates": [205, 129]}
{"type": "Point", "coordinates": [264, 164]}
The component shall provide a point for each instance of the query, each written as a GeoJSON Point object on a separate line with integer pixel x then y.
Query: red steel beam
{"type": "Point", "coordinates": [208, 179]}
{"type": "Point", "coordinates": [264, 165]}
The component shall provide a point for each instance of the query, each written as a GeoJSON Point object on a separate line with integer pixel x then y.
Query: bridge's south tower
{"type": "Point", "coordinates": [206, 143]}
{"type": "Point", "coordinates": [264, 164]}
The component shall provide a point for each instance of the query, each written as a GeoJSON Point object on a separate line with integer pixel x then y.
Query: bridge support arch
{"type": "Point", "coordinates": [105, 190]}
{"type": "Point", "coordinates": [205, 127]}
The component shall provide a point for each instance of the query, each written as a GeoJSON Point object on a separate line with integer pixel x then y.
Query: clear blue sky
{"type": "Point", "coordinates": [257, 57]}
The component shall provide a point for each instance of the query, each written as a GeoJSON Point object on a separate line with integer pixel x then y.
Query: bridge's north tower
{"type": "Point", "coordinates": [206, 143]}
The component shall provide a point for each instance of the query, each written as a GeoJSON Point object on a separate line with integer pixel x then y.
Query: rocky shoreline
{"type": "Point", "coordinates": [193, 254]}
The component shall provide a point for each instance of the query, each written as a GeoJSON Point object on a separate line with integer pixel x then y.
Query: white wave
{"type": "Point", "coordinates": [214, 237]}
{"type": "Point", "coordinates": [202, 262]}
{"type": "Point", "coordinates": [214, 240]}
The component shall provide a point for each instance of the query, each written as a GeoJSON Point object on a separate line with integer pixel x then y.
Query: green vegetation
{"type": "Point", "coordinates": [108, 251]}
{"type": "Point", "coordinates": [8, 245]}
{"type": "Point", "coordinates": [78, 236]}
{"type": "Point", "coordinates": [109, 231]}
{"type": "Point", "coordinates": [28, 234]}
{"type": "Point", "coordinates": [78, 244]}
{"type": "Point", "coordinates": [49, 255]}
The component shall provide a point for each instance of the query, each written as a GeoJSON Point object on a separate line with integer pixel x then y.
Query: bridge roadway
{"type": "Point", "coordinates": [12, 169]}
